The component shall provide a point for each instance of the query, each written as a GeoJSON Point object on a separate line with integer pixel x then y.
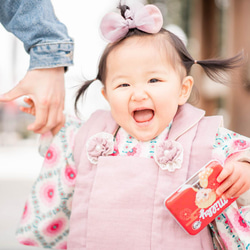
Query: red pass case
{"type": "Point", "coordinates": [195, 204]}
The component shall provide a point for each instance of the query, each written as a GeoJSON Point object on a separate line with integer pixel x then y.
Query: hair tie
{"type": "Point", "coordinates": [146, 18]}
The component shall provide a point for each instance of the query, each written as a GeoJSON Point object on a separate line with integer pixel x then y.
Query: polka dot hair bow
{"type": "Point", "coordinates": [146, 18]}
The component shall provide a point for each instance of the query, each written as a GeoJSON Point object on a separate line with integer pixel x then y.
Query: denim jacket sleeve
{"type": "Point", "coordinates": [44, 37]}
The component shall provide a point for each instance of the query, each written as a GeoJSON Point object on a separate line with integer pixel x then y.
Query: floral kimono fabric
{"type": "Point", "coordinates": [231, 229]}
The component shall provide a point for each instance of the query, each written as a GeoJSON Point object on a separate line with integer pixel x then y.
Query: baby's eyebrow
{"type": "Point", "coordinates": [157, 72]}
{"type": "Point", "coordinates": [118, 77]}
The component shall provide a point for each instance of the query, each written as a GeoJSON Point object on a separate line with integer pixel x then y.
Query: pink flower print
{"type": "Point", "coordinates": [101, 144]}
{"type": "Point", "coordinates": [55, 227]}
{"type": "Point", "coordinates": [70, 175]}
{"type": "Point", "coordinates": [26, 213]}
{"type": "Point", "coordinates": [240, 144]}
{"type": "Point", "coordinates": [48, 193]}
{"type": "Point", "coordinates": [241, 224]}
{"type": "Point", "coordinates": [169, 155]}
{"type": "Point", "coordinates": [116, 151]}
{"type": "Point", "coordinates": [52, 156]}
{"type": "Point", "coordinates": [28, 242]}
{"type": "Point", "coordinates": [132, 152]}
{"type": "Point", "coordinates": [25, 210]}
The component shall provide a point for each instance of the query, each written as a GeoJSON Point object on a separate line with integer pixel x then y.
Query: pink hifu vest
{"type": "Point", "coordinates": [119, 203]}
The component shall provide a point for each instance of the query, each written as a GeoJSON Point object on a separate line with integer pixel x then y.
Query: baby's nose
{"type": "Point", "coordinates": [139, 94]}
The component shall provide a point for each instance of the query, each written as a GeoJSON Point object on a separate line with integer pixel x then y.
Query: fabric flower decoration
{"type": "Point", "coordinates": [101, 144]}
{"type": "Point", "coordinates": [169, 155]}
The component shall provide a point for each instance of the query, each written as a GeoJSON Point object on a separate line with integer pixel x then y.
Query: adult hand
{"type": "Point", "coordinates": [31, 109]}
{"type": "Point", "coordinates": [45, 87]}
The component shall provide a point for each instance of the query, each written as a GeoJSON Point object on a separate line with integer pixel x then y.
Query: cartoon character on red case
{"type": "Point", "coordinates": [205, 196]}
{"type": "Point", "coordinates": [195, 203]}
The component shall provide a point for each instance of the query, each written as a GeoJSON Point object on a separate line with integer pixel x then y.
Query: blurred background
{"type": "Point", "coordinates": [209, 28]}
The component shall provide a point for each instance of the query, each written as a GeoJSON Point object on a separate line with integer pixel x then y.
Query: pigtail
{"type": "Point", "coordinates": [81, 91]}
{"type": "Point", "coordinates": [101, 75]}
{"type": "Point", "coordinates": [215, 68]}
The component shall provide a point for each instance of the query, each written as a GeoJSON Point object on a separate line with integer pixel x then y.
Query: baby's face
{"type": "Point", "coordinates": [142, 88]}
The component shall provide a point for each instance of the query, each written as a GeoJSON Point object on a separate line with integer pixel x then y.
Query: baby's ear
{"type": "Point", "coordinates": [186, 89]}
{"type": "Point", "coordinates": [104, 93]}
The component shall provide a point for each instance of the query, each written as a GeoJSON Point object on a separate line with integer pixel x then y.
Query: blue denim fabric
{"type": "Point", "coordinates": [44, 37]}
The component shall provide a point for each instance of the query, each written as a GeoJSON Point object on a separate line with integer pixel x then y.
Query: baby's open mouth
{"type": "Point", "coordinates": [143, 115]}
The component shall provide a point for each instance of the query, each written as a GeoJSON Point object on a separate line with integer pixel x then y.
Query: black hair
{"type": "Point", "coordinates": [214, 68]}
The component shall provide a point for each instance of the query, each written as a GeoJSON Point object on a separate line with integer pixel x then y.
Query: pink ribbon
{"type": "Point", "coordinates": [146, 18]}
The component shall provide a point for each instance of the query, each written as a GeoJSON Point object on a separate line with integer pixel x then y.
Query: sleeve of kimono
{"type": "Point", "coordinates": [232, 146]}
{"type": "Point", "coordinates": [64, 140]}
{"type": "Point", "coordinates": [233, 224]}
{"type": "Point", "coordinates": [50, 199]}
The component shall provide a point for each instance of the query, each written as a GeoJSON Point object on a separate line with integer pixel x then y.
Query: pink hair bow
{"type": "Point", "coordinates": [147, 18]}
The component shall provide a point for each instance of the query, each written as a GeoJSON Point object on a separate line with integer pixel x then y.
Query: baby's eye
{"type": "Point", "coordinates": [123, 85]}
{"type": "Point", "coordinates": [153, 80]}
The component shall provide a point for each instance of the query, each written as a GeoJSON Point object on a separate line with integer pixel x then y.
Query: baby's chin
{"type": "Point", "coordinates": [145, 138]}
